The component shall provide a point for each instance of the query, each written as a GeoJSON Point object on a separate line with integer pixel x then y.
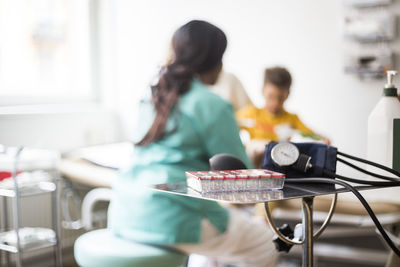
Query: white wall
{"type": "Point", "coordinates": [305, 36]}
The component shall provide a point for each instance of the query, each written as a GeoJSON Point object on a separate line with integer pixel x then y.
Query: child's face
{"type": "Point", "coordinates": [274, 98]}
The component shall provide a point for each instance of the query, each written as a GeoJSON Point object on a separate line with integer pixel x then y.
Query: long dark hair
{"type": "Point", "coordinates": [197, 48]}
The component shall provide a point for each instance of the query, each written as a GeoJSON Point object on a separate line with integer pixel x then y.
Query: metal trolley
{"type": "Point", "coordinates": [39, 238]}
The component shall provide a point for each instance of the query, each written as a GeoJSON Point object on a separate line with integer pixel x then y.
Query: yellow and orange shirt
{"type": "Point", "coordinates": [262, 124]}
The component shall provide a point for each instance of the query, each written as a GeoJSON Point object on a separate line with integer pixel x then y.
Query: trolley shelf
{"type": "Point", "coordinates": [29, 245]}
{"type": "Point", "coordinates": [39, 188]}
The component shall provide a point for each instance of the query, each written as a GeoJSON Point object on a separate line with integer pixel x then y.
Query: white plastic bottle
{"type": "Point", "coordinates": [383, 137]}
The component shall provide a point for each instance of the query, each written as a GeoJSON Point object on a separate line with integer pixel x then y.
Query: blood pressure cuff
{"type": "Point", "coordinates": [323, 157]}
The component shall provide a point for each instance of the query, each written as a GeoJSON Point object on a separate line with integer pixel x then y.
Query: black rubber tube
{"type": "Point", "coordinates": [380, 166]}
{"type": "Point", "coordinates": [367, 172]}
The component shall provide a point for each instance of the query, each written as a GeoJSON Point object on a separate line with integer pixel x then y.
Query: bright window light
{"type": "Point", "coordinates": [44, 51]}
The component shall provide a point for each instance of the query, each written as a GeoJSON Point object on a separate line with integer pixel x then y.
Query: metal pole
{"type": "Point", "coordinates": [6, 228]}
{"type": "Point", "coordinates": [16, 203]}
{"type": "Point", "coordinates": [307, 203]}
{"type": "Point", "coordinates": [56, 221]}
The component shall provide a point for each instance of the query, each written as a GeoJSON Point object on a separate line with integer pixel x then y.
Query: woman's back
{"type": "Point", "coordinates": [200, 126]}
{"type": "Point", "coordinates": [182, 124]}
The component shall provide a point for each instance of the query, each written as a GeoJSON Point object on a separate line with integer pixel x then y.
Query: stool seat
{"type": "Point", "coordinates": [101, 248]}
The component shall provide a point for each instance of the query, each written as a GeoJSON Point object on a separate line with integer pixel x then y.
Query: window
{"type": "Point", "coordinates": [45, 51]}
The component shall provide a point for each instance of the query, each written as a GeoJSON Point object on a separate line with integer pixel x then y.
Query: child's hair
{"type": "Point", "coordinates": [278, 76]}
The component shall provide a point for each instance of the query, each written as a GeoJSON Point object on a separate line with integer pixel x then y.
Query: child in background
{"type": "Point", "coordinates": [273, 122]}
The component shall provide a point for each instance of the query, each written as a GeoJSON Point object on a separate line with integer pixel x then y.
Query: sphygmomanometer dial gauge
{"type": "Point", "coordinates": [285, 154]}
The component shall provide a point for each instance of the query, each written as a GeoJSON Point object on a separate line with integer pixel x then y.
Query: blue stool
{"type": "Point", "coordinates": [101, 248]}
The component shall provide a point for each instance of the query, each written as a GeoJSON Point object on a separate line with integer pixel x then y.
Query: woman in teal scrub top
{"type": "Point", "coordinates": [181, 125]}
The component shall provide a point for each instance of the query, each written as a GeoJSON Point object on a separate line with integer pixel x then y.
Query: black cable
{"type": "Point", "coordinates": [367, 172]}
{"type": "Point", "coordinates": [374, 183]}
{"type": "Point", "coordinates": [370, 163]}
{"type": "Point", "coordinates": [360, 197]}
{"type": "Point", "coordinates": [358, 181]}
